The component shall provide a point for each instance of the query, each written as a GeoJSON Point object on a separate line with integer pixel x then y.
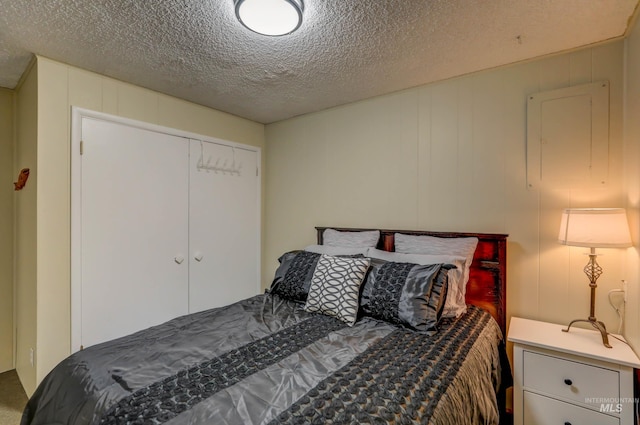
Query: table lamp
{"type": "Point", "coordinates": [594, 228]}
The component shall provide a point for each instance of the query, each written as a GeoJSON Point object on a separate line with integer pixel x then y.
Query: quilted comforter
{"type": "Point", "coordinates": [264, 360]}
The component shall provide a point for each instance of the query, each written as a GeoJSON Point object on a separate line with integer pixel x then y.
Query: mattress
{"type": "Point", "coordinates": [264, 360]}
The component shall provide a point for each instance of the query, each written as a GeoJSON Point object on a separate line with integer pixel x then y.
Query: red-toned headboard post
{"type": "Point", "coordinates": [487, 286]}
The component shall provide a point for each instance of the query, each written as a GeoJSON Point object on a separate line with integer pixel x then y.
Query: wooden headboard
{"type": "Point", "coordinates": [487, 286]}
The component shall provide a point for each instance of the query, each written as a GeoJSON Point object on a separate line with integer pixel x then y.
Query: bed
{"type": "Point", "coordinates": [273, 359]}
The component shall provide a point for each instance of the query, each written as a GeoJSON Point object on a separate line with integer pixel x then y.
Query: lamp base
{"type": "Point", "coordinates": [596, 324]}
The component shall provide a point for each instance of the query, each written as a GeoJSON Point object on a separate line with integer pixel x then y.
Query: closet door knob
{"type": "Point", "coordinates": [198, 257]}
{"type": "Point", "coordinates": [179, 259]}
{"type": "Point", "coordinates": [568, 381]}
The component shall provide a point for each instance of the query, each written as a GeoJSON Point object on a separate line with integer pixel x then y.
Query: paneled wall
{"type": "Point", "coordinates": [452, 156]}
{"type": "Point", "coordinates": [59, 87]}
{"type": "Point", "coordinates": [26, 300]}
{"type": "Point", "coordinates": [6, 230]}
{"type": "Point", "coordinates": [632, 179]}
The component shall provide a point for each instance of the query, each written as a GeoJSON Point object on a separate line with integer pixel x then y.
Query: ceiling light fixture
{"type": "Point", "coordinates": [270, 17]}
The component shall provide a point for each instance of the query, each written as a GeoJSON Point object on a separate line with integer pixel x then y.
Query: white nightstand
{"type": "Point", "coordinates": [570, 378]}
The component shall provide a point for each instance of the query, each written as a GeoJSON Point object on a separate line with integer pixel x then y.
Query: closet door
{"type": "Point", "coordinates": [224, 225]}
{"type": "Point", "coordinates": [134, 231]}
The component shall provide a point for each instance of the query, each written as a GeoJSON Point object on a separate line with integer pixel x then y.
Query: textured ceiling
{"type": "Point", "coordinates": [345, 50]}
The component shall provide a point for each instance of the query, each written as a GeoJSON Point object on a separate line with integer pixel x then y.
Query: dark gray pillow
{"type": "Point", "coordinates": [293, 277]}
{"type": "Point", "coordinates": [406, 294]}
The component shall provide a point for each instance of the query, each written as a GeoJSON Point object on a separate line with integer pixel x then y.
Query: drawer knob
{"type": "Point", "coordinates": [568, 382]}
{"type": "Point", "coordinates": [567, 423]}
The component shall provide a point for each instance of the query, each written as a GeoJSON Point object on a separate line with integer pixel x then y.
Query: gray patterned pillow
{"type": "Point", "coordinates": [335, 287]}
{"type": "Point", "coordinates": [455, 304]}
{"type": "Point", "coordinates": [431, 245]}
{"type": "Point", "coordinates": [293, 276]}
{"type": "Point", "coordinates": [406, 294]}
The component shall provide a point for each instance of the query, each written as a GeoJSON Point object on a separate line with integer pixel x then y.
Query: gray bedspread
{"type": "Point", "coordinates": [266, 361]}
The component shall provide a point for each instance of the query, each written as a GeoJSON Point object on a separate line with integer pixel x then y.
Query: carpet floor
{"type": "Point", "coordinates": [12, 398]}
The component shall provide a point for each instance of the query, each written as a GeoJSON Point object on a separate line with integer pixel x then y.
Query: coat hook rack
{"type": "Point", "coordinates": [224, 168]}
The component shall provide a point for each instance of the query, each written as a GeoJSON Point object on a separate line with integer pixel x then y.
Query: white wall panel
{"type": "Point", "coordinates": [54, 164]}
{"type": "Point", "coordinates": [86, 89]}
{"type": "Point", "coordinates": [553, 72]}
{"type": "Point", "coordinates": [26, 205]}
{"type": "Point", "coordinates": [364, 154]}
{"type": "Point", "coordinates": [488, 182]}
{"type": "Point", "coordinates": [606, 63]}
{"type": "Point", "coordinates": [6, 229]}
{"type": "Point", "coordinates": [295, 176]}
{"type": "Point", "coordinates": [137, 103]}
{"type": "Point", "coordinates": [109, 95]}
{"type": "Point", "coordinates": [465, 152]}
{"type": "Point", "coordinates": [521, 220]}
{"type": "Point", "coordinates": [580, 71]}
{"type": "Point", "coordinates": [443, 165]}
{"type": "Point", "coordinates": [632, 180]}
{"type": "Point", "coordinates": [425, 181]}
{"type": "Point", "coordinates": [553, 287]}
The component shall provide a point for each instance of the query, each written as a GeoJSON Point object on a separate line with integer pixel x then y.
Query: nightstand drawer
{"type": "Point", "coordinates": [540, 410]}
{"type": "Point", "coordinates": [570, 380]}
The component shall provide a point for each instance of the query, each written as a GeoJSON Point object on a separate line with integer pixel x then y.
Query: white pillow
{"type": "Point", "coordinates": [366, 239]}
{"type": "Point", "coordinates": [458, 247]}
{"type": "Point", "coordinates": [455, 304]}
{"type": "Point", "coordinates": [335, 287]}
{"type": "Point", "coordinates": [335, 250]}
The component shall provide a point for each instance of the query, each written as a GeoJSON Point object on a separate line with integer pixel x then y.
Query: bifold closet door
{"type": "Point", "coordinates": [134, 229]}
{"type": "Point", "coordinates": [224, 225]}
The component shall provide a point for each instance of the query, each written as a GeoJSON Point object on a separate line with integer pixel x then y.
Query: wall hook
{"type": "Point", "coordinates": [22, 179]}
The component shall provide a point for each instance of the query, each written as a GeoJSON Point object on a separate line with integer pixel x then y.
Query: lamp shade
{"type": "Point", "coordinates": [595, 228]}
{"type": "Point", "coordinates": [270, 17]}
